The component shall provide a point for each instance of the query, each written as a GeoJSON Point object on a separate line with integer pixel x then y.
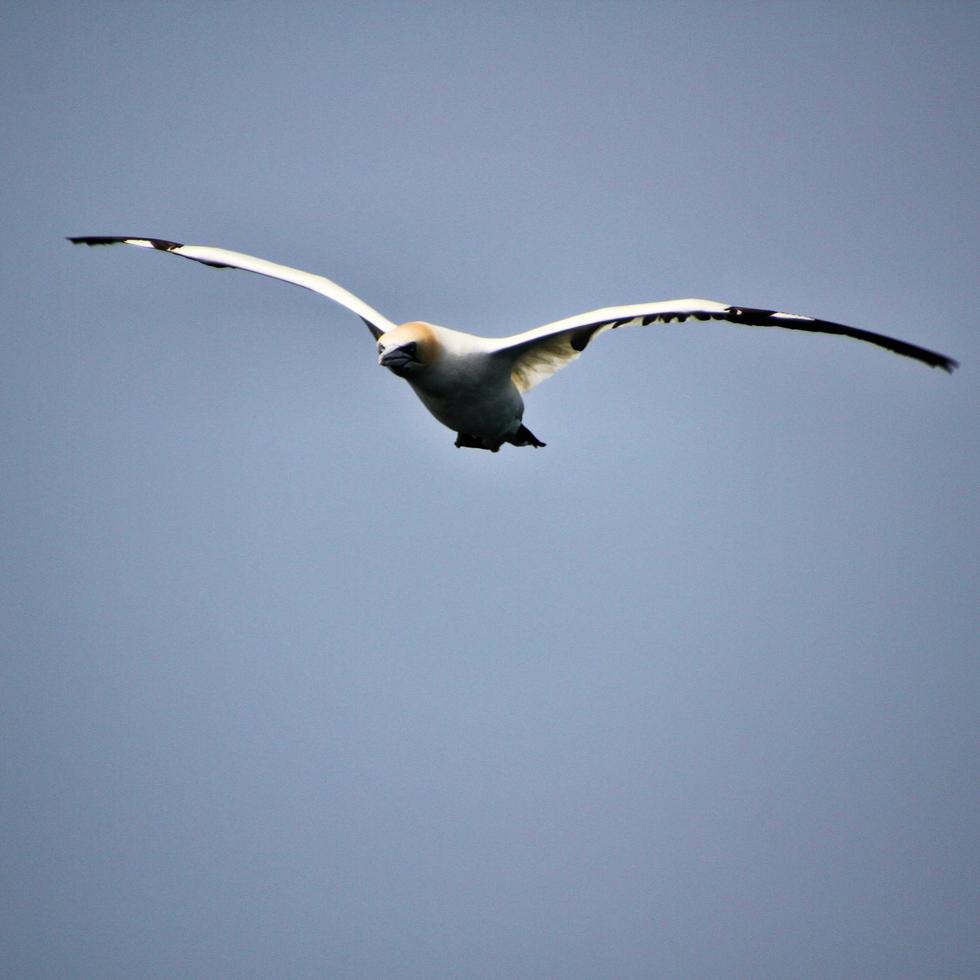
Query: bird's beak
{"type": "Point", "coordinates": [398, 358]}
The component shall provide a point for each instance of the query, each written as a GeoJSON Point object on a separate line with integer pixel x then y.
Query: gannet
{"type": "Point", "coordinates": [473, 385]}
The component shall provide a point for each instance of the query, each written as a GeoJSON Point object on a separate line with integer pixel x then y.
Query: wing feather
{"type": "Point", "coordinates": [537, 354]}
{"type": "Point", "coordinates": [220, 258]}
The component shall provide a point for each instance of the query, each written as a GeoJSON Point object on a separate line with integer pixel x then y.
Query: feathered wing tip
{"type": "Point", "coordinates": [131, 240]}
{"type": "Point", "coordinates": [220, 258]}
{"type": "Point", "coordinates": [158, 243]}
{"type": "Point", "coordinates": [539, 353]}
{"type": "Point", "coordinates": [795, 321]}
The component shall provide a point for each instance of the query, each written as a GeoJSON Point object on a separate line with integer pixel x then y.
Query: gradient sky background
{"type": "Point", "coordinates": [294, 688]}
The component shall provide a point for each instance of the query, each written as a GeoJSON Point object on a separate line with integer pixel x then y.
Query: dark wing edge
{"type": "Point", "coordinates": [158, 243]}
{"type": "Point", "coordinates": [249, 263]}
{"type": "Point", "coordinates": [375, 331]}
{"type": "Point", "coordinates": [749, 316]}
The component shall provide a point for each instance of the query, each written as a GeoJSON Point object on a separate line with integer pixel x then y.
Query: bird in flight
{"type": "Point", "coordinates": [473, 385]}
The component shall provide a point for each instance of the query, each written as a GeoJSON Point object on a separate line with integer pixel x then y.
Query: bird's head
{"type": "Point", "coordinates": [407, 349]}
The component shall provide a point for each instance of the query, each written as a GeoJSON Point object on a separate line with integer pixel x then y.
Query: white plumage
{"type": "Point", "coordinates": [473, 385]}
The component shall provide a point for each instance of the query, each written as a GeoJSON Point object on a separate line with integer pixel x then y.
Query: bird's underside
{"type": "Point", "coordinates": [473, 385]}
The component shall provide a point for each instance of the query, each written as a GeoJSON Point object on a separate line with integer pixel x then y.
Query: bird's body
{"type": "Point", "coordinates": [461, 380]}
{"type": "Point", "coordinates": [473, 385]}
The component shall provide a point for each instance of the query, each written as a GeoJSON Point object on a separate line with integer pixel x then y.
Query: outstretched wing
{"type": "Point", "coordinates": [220, 258]}
{"type": "Point", "coordinates": [537, 354]}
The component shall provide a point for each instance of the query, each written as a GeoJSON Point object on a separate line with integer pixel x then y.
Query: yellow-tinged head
{"type": "Point", "coordinates": [408, 348]}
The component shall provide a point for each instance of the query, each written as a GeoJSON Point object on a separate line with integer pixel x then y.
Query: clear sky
{"type": "Point", "coordinates": [294, 688]}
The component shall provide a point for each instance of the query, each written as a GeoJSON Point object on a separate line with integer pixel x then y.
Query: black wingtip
{"type": "Point", "coordinates": [96, 240]}
{"type": "Point", "coordinates": [160, 243]}
{"type": "Point", "coordinates": [930, 358]}
{"type": "Point", "coordinates": [770, 318]}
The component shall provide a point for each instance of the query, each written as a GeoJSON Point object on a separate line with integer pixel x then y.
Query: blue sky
{"type": "Point", "coordinates": [293, 687]}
